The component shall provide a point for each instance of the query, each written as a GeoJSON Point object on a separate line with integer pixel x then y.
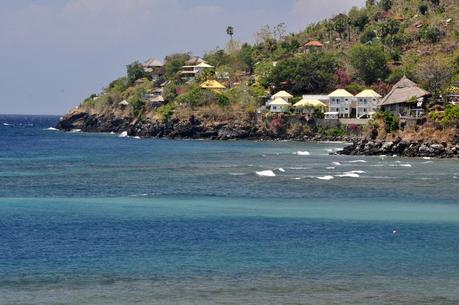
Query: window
{"type": "Point", "coordinates": [364, 109]}
{"type": "Point", "coordinates": [274, 107]}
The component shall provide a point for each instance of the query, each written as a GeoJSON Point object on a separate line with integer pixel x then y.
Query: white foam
{"type": "Point", "coordinates": [427, 158]}
{"type": "Point", "coordinates": [136, 137]}
{"type": "Point", "coordinates": [303, 153]}
{"type": "Point", "coordinates": [299, 167]}
{"type": "Point", "coordinates": [268, 173]}
{"type": "Point", "coordinates": [406, 165]}
{"type": "Point", "coordinates": [7, 124]}
{"type": "Point", "coordinates": [427, 162]}
{"type": "Point", "coordinates": [349, 175]}
{"type": "Point", "coordinates": [336, 163]}
{"type": "Point", "coordinates": [124, 134]}
{"type": "Point", "coordinates": [330, 167]}
{"type": "Point", "coordinates": [237, 174]}
{"type": "Point", "coordinates": [282, 170]}
{"type": "Point", "coordinates": [357, 172]}
{"type": "Point", "coordinates": [75, 130]}
{"type": "Point", "coordinates": [358, 161]}
{"type": "Point", "coordinates": [297, 178]}
{"type": "Point", "coordinates": [326, 178]}
{"type": "Point", "coordinates": [329, 150]}
{"type": "Point", "coordinates": [52, 129]}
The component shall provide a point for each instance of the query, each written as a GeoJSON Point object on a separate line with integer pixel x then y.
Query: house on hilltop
{"type": "Point", "coordinates": [189, 72]}
{"type": "Point", "coordinates": [313, 46]}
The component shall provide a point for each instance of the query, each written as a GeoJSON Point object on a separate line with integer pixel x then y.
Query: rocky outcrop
{"type": "Point", "coordinates": [402, 148]}
{"type": "Point", "coordinates": [192, 128]}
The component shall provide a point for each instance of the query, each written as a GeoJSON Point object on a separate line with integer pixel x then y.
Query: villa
{"type": "Point", "coordinates": [153, 66]}
{"type": "Point", "coordinates": [405, 99]}
{"type": "Point", "coordinates": [190, 72]}
{"type": "Point", "coordinates": [283, 95]}
{"type": "Point", "coordinates": [340, 101]}
{"type": "Point", "coordinates": [309, 106]}
{"type": "Point", "coordinates": [366, 103]}
{"type": "Point", "coordinates": [279, 105]}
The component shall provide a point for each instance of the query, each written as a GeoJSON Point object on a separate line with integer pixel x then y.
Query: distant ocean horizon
{"type": "Point", "coordinates": [91, 218]}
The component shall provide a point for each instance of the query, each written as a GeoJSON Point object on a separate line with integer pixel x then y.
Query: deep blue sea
{"type": "Point", "coordinates": [101, 219]}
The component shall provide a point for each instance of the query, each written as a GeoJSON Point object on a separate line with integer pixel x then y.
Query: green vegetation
{"type": "Point", "coordinates": [370, 62]}
{"type": "Point", "coordinates": [391, 122]}
{"type": "Point", "coordinates": [373, 46]}
{"type": "Point", "coordinates": [311, 73]}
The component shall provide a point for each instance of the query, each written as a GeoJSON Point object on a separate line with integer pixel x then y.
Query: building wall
{"type": "Point", "coordinates": [342, 105]}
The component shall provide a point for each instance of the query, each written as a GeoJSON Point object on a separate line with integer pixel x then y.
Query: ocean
{"type": "Point", "coordinates": [103, 219]}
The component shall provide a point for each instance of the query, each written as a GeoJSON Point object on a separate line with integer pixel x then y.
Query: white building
{"type": "Point", "coordinates": [283, 95]}
{"type": "Point", "coordinates": [190, 72]}
{"type": "Point", "coordinates": [366, 103]}
{"type": "Point", "coordinates": [279, 105]}
{"type": "Point", "coordinates": [341, 101]}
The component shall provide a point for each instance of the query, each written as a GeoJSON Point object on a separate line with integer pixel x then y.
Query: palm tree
{"type": "Point", "coordinates": [230, 31]}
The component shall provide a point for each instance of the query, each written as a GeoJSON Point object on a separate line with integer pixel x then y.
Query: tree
{"type": "Point", "coordinates": [370, 3]}
{"type": "Point", "coordinates": [386, 5]}
{"type": "Point", "coordinates": [246, 56]}
{"type": "Point", "coordinates": [391, 27]}
{"type": "Point", "coordinates": [135, 71]}
{"type": "Point", "coordinates": [313, 72]}
{"type": "Point", "coordinates": [341, 23]}
{"type": "Point", "coordinates": [370, 62]}
{"type": "Point", "coordinates": [174, 63]}
{"type": "Point", "coordinates": [368, 35]}
{"type": "Point", "coordinates": [230, 32]}
{"type": "Point", "coordinates": [436, 74]}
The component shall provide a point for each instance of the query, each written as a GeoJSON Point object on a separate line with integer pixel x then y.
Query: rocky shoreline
{"type": "Point", "coordinates": [235, 130]}
{"type": "Point", "coordinates": [402, 148]}
{"type": "Point", "coordinates": [192, 128]}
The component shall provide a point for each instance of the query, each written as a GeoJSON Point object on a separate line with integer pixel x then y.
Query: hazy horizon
{"type": "Point", "coordinates": [55, 53]}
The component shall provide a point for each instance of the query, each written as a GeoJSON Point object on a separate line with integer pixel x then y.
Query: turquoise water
{"type": "Point", "coordinates": [99, 219]}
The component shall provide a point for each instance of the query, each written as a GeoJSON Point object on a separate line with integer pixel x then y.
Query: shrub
{"type": "Point", "coordinates": [391, 121]}
{"type": "Point", "coordinates": [451, 116]}
{"type": "Point", "coordinates": [423, 8]}
{"type": "Point", "coordinates": [222, 100]}
{"type": "Point", "coordinates": [431, 34]}
{"type": "Point", "coordinates": [368, 35]}
{"type": "Point", "coordinates": [166, 111]}
{"type": "Point", "coordinates": [195, 97]}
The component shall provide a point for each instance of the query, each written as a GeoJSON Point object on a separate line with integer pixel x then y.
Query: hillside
{"type": "Point", "coordinates": [369, 47]}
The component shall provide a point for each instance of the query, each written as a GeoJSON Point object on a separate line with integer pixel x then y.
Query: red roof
{"type": "Point", "coordinates": [314, 43]}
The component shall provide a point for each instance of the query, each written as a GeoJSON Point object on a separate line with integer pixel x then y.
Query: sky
{"type": "Point", "coordinates": [55, 53]}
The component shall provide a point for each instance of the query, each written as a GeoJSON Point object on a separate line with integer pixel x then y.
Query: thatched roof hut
{"type": "Point", "coordinates": [402, 92]}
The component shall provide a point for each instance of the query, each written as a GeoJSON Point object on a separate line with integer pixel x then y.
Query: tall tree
{"type": "Point", "coordinates": [370, 62]}
{"type": "Point", "coordinates": [135, 71]}
{"type": "Point", "coordinates": [230, 32]}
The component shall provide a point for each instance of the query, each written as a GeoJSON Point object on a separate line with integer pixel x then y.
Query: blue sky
{"type": "Point", "coordinates": [54, 53]}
